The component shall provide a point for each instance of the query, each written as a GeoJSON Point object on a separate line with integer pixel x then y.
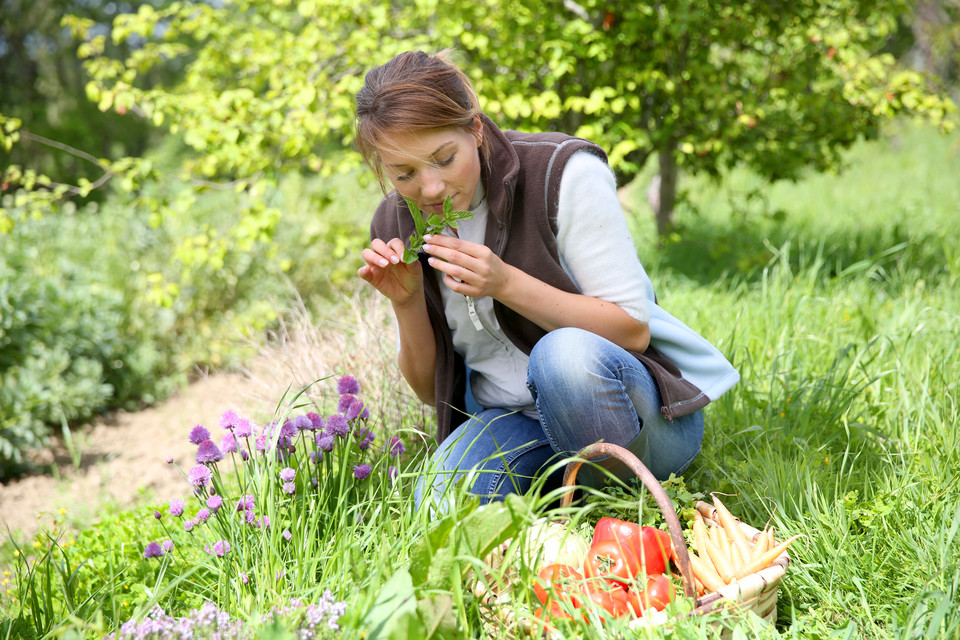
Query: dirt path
{"type": "Point", "coordinates": [123, 457]}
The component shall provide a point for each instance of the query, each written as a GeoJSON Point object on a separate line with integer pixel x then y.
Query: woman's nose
{"type": "Point", "coordinates": [431, 183]}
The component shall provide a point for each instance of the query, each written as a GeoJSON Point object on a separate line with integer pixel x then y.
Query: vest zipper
{"type": "Point", "coordinates": [472, 312]}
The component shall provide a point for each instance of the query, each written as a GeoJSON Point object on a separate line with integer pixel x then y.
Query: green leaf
{"type": "Point", "coordinates": [437, 615]}
{"type": "Point", "coordinates": [392, 609]}
{"type": "Point", "coordinates": [417, 216]}
{"type": "Point", "coordinates": [447, 206]}
{"type": "Point", "coordinates": [423, 552]}
{"type": "Point", "coordinates": [490, 525]}
{"type": "Point", "coordinates": [409, 256]}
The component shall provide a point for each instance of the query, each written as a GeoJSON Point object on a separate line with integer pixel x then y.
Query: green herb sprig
{"type": "Point", "coordinates": [431, 224]}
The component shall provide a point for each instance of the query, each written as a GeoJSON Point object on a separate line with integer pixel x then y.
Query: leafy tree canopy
{"type": "Point", "coordinates": [268, 86]}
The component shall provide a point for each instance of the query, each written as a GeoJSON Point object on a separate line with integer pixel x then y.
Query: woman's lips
{"type": "Point", "coordinates": [436, 207]}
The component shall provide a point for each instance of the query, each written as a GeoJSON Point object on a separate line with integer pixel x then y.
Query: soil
{"type": "Point", "coordinates": [123, 456]}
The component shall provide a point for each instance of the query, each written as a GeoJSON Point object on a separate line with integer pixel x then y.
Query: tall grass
{"type": "Point", "coordinates": [836, 299]}
{"type": "Point", "coordinates": [844, 425]}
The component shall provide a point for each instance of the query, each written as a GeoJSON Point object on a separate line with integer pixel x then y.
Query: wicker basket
{"type": "Point", "coordinates": [755, 593]}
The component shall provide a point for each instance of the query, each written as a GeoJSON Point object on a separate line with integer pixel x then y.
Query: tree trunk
{"type": "Point", "coordinates": [668, 190]}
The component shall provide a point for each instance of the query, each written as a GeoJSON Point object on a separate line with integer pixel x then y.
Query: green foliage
{"type": "Point", "coordinates": [95, 575]}
{"type": "Point", "coordinates": [433, 223]}
{"type": "Point", "coordinates": [64, 133]}
{"type": "Point", "coordinates": [57, 344]}
{"type": "Point", "coordinates": [777, 87]}
{"type": "Point", "coordinates": [632, 502]}
{"type": "Point", "coordinates": [421, 601]}
{"type": "Point", "coordinates": [774, 87]}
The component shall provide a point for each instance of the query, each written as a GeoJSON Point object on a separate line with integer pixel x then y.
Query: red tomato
{"type": "Point", "coordinates": [609, 598]}
{"type": "Point", "coordinates": [610, 560]}
{"type": "Point", "coordinates": [648, 548]}
{"type": "Point", "coordinates": [559, 583]}
{"type": "Point", "coordinates": [657, 594]}
{"type": "Point", "coordinates": [550, 613]}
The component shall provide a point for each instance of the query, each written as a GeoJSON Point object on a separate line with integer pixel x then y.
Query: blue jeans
{"type": "Point", "coordinates": [586, 389]}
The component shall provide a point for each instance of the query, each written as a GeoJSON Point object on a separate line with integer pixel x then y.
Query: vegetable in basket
{"type": "Point", "coordinates": [545, 543]}
{"type": "Point", "coordinates": [724, 552]}
{"type": "Point", "coordinates": [621, 554]}
{"type": "Point", "coordinates": [645, 548]}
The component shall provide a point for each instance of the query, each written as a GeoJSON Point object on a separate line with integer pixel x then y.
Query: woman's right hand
{"type": "Point", "coordinates": [389, 274]}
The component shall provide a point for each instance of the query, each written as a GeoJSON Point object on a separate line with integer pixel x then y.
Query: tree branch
{"type": "Point", "coordinates": [63, 147]}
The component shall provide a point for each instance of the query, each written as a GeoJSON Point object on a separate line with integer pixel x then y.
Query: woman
{"type": "Point", "coordinates": [536, 309]}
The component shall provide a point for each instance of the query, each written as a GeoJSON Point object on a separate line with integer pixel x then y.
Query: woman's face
{"type": "Point", "coordinates": [427, 166]}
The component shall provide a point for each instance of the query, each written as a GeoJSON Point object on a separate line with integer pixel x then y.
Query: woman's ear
{"type": "Point", "coordinates": [478, 129]}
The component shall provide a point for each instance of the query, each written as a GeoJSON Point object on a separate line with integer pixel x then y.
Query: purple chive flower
{"type": "Point", "coordinates": [263, 521]}
{"type": "Point", "coordinates": [262, 443]}
{"type": "Point", "coordinates": [208, 452]}
{"type": "Point", "coordinates": [396, 446]}
{"type": "Point", "coordinates": [167, 546]}
{"type": "Point", "coordinates": [313, 456]}
{"type": "Point", "coordinates": [243, 428]}
{"type": "Point", "coordinates": [176, 507]}
{"type": "Point", "coordinates": [214, 503]}
{"type": "Point", "coordinates": [337, 425]}
{"type": "Point", "coordinates": [198, 434]}
{"type": "Point", "coordinates": [153, 550]}
{"type": "Point", "coordinates": [348, 384]}
{"type": "Point", "coordinates": [157, 515]}
{"type": "Point", "coordinates": [228, 443]}
{"type": "Point", "coordinates": [345, 401]}
{"type": "Point", "coordinates": [288, 429]}
{"type": "Point", "coordinates": [244, 578]}
{"type": "Point", "coordinates": [244, 455]}
{"type": "Point", "coordinates": [169, 459]}
{"type": "Point", "coordinates": [325, 441]}
{"type": "Point", "coordinates": [316, 420]}
{"type": "Point", "coordinates": [287, 535]}
{"type": "Point", "coordinates": [364, 435]}
{"type": "Point", "coordinates": [392, 472]}
{"type": "Point", "coordinates": [361, 471]}
{"type": "Point", "coordinates": [188, 525]}
{"type": "Point", "coordinates": [287, 474]}
{"type": "Point", "coordinates": [203, 515]}
{"type": "Point", "coordinates": [250, 517]}
{"type": "Point", "coordinates": [364, 414]}
{"type": "Point", "coordinates": [289, 488]}
{"type": "Point", "coordinates": [303, 423]}
{"type": "Point", "coordinates": [199, 476]}
{"type": "Point", "coordinates": [245, 503]}
{"type": "Point", "coordinates": [356, 410]}
{"type": "Point", "coordinates": [229, 419]}
{"type": "Point", "coordinates": [220, 548]}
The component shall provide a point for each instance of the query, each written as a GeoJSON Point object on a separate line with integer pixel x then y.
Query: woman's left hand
{"type": "Point", "coordinates": [470, 269]}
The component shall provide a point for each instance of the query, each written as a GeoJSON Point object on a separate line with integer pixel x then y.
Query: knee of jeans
{"type": "Point", "coordinates": [565, 355]}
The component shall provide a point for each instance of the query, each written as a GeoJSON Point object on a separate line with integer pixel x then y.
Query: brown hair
{"type": "Point", "coordinates": [412, 92]}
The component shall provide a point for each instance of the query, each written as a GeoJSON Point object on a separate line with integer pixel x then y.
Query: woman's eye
{"type": "Point", "coordinates": [404, 177]}
{"type": "Point", "coordinates": [443, 163]}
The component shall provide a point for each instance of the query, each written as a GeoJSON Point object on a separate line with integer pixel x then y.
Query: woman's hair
{"type": "Point", "coordinates": [413, 91]}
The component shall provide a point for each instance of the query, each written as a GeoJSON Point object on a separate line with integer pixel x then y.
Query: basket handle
{"type": "Point", "coordinates": [653, 486]}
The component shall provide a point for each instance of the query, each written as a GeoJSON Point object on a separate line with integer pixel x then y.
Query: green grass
{"type": "Point", "coordinates": [843, 427]}
{"type": "Point", "coordinates": [836, 297]}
